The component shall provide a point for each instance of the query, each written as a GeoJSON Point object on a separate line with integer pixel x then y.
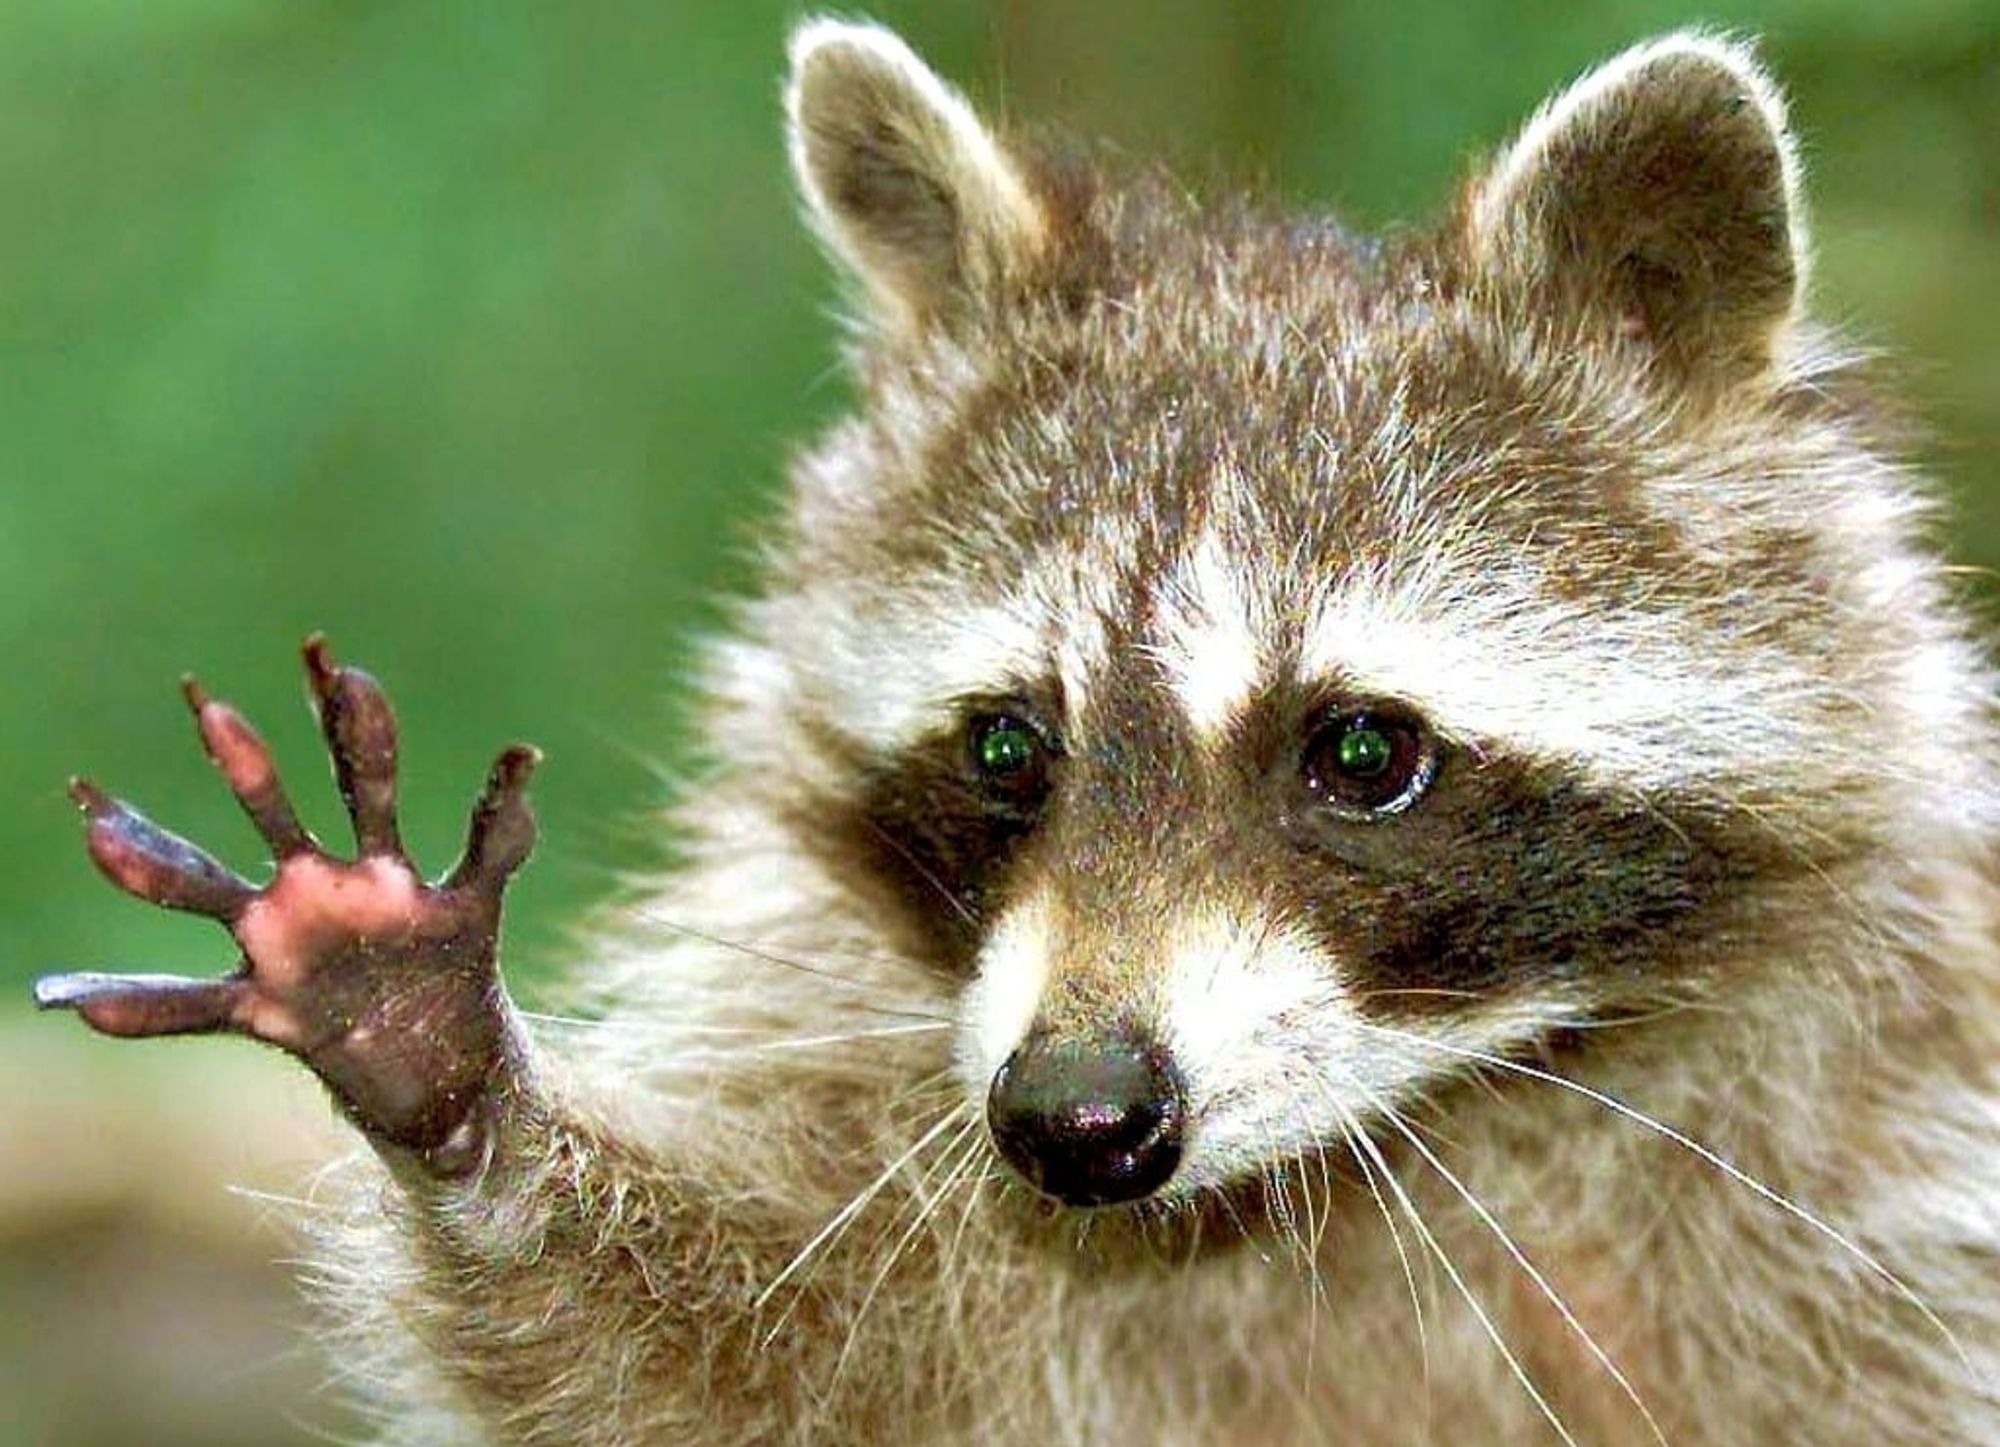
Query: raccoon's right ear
{"type": "Point", "coordinates": [900, 178]}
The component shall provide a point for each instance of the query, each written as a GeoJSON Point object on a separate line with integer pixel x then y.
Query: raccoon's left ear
{"type": "Point", "coordinates": [900, 177]}
{"type": "Point", "coordinates": [1656, 199]}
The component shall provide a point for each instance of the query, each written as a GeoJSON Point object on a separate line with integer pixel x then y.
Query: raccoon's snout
{"type": "Point", "coordinates": [1091, 1122]}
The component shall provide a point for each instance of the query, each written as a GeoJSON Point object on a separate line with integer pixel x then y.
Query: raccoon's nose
{"type": "Point", "coordinates": [1090, 1122]}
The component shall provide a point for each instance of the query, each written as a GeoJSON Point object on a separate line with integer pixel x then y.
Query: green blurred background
{"type": "Point", "coordinates": [476, 334]}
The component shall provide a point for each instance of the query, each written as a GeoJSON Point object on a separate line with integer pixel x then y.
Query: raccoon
{"type": "Point", "coordinates": [1309, 840]}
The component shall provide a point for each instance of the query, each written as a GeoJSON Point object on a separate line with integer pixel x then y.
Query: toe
{"type": "Point", "coordinates": [138, 1005]}
{"type": "Point", "coordinates": [145, 860]}
{"type": "Point", "coordinates": [360, 732]}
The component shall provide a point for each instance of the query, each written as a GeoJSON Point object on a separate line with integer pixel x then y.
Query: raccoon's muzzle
{"type": "Point", "coordinates": [1091, 1122]}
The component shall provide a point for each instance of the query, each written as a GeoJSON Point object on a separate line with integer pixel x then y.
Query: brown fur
{"type": "Point", "coordinates": [1763, 895]}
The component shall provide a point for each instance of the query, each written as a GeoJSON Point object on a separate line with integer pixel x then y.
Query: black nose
{"type": "Point", "coordinates": [1091, 1122]}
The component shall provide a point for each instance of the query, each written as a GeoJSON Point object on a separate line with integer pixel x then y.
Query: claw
{"type": "Point", "coordinates": [245, 762]}
{"type": "Point", "coordinates": [145, 860]}
{"type": "Point", "coordinates": [134, 1005]}
{"type": "Point", "coordinates": [501, 835]}
{"type": "Point", "coordinates": [360, 732]}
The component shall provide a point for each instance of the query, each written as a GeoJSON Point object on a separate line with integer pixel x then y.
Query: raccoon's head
{"type": "Point", "coordinates": [1265, 674]}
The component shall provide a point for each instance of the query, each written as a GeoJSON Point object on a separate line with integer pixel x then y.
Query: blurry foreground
{"type": "Point", "coordinates": [144, 1295]}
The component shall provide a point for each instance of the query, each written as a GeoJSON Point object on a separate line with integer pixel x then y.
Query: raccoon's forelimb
{"type": "Point", "coordinates": [387, 987]}
{"type": "Point", "coordinates": [543, 1251]}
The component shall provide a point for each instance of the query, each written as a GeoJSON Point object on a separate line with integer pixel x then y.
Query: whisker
{"type": "Point", "coordinates": [927, 1207]}
{"type": "Point", "coordinates": [784, 1317]}
{"type": "Point", "coordinates": [958, 906]}
{"type": "Point", "coordinates": [1398, 992]}
{"type": "Point", "coordinates": [846, 1214]}
{"type": "Point", "coordinates": [1471, 1300]}
{"type": "Point", "coordinates": [1347, 1131]}
{"type": "Point", "coordinates": [1712, 1158]}
{"type": "Point", "coordinates": [1842, 897]}
{"type": "Point", "coordinates": [290, 1205]}
{"type": "Point", "coordinates": [807, 1042]}
{"type": "Point", "coordinates": [1520, 1259]}
{"type": "Point", "coordinates": [751, 1034]}
{"type": "Point", "coordinates": [979, 1172]}
{"type": "Point", "coordinates": [1310, 1245]}
{"type": "Point", "coordinates": [785, 961]}
{"type": "Point", "coordinates": [1277, 1192]}
{"type": "Point", "coordinates": [972, 1171]}
{"type": "Point", "coordinates": [1666, 1010]}
{"type": "Point", "coordinates": [1226, 1199]}
{"type": "Point", "coordinates": [917, 1088]}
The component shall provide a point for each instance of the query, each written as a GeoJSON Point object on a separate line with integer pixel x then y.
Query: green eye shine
{"type": "Point", "coordinates": [1364, 752]}
{"type": "Point", "coordinates": [1368, 762]}
{"type": "Point", "coordinates": [1004, 748]}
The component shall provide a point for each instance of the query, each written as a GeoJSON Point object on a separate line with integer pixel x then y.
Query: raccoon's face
{"type": "Point", "coordinates": [1267, 677]}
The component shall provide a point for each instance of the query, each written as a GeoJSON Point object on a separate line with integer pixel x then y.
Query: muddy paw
{"type": "Point", "coordinates": [386, 986]}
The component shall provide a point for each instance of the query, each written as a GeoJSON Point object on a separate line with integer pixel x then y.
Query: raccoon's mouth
{"type": "Point", "coordinates": [1092, 1121]}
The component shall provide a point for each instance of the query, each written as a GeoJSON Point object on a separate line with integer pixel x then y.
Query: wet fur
{"type": "Point", "coordinates": [1757, 899]}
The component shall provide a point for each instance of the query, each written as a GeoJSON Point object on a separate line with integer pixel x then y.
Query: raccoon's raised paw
{"type": "Point", "coordinates": [387, 987]}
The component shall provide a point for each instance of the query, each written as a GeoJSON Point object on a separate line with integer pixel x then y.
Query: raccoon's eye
{"type": "Point", "coordinates": [1010, 758]}
{"type": "Point", "coordinates": [1368, 761]}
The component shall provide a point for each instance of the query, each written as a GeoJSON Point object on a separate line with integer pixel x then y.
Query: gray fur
{"type": "Point", "coordinates": [1714, 839]}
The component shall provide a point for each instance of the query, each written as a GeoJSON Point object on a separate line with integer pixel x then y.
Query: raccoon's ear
{"type": "Point", "coordinates": [900, 178]}
{"type": "Point", "coordinates": [1658, 198]}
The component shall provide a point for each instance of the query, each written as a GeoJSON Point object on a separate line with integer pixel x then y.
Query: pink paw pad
{"type": "Point", "coordinates": [386, 986]}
